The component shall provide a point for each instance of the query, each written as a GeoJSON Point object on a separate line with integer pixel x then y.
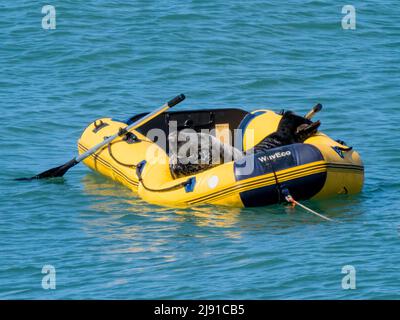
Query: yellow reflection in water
{"type": "Point", "coordinates": [139, 236]}
{"type": "Point", "coordinates": [110, 196]}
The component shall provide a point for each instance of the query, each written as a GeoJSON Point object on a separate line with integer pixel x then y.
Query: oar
{"type": "Point", "coordinates": [317, 108]}
{"type": "Point", "coordinates": [61, 170]}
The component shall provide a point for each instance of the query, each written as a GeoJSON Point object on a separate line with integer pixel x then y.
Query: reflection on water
{"type": "Point", "coordinates": [111, 197]}
{"type": "Point", "coordinates": [149, 237]}
{"type": "Point", "coordinates": [108, 196]}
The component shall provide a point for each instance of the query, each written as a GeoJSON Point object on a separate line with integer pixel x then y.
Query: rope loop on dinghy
{"type": "Point", "coordinates": [278, 185]}
{"type": "Point", "coordinates": [129, 165]}
{"type": "Point", "coordinates": [188, 184]}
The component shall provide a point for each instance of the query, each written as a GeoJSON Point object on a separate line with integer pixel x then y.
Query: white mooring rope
{"type": "Point", "coordinates": [290, 199]}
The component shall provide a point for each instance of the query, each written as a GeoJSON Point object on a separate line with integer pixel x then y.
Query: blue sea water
{"type": "Point", "coordinates": [118, 58]}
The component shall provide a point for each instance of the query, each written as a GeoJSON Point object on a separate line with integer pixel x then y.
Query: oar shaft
{"type": "Point", "coordinates": [134, 125]}
{"type": "Point", "coordinates": [61, 170]}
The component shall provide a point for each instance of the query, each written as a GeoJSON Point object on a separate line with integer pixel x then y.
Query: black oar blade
{"type": "Point", "coordinates": [52, 173]}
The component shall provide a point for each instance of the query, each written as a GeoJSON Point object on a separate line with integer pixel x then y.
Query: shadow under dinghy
{"type": "Point", "coordinates": [317, 167]}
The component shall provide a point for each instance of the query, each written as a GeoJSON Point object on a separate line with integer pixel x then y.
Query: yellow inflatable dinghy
{"type": "Point", "coordinates": [319, 167]}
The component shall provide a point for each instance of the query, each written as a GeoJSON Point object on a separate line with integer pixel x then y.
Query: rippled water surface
{"type": "Point", "coordinates": [118, 58]}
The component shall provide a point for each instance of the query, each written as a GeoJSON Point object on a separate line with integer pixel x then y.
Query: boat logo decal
{"type": "Point", "coordinates": [213, 182]}
{"type": "Point", "coordinates": [274, 156]}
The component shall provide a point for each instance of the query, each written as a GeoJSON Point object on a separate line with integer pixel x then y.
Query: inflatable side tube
{"type": "Point", "coordinates": [305, 180]}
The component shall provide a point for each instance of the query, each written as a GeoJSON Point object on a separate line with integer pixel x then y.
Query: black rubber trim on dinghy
{"type": "Point", "coordinates": [304, 188]}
